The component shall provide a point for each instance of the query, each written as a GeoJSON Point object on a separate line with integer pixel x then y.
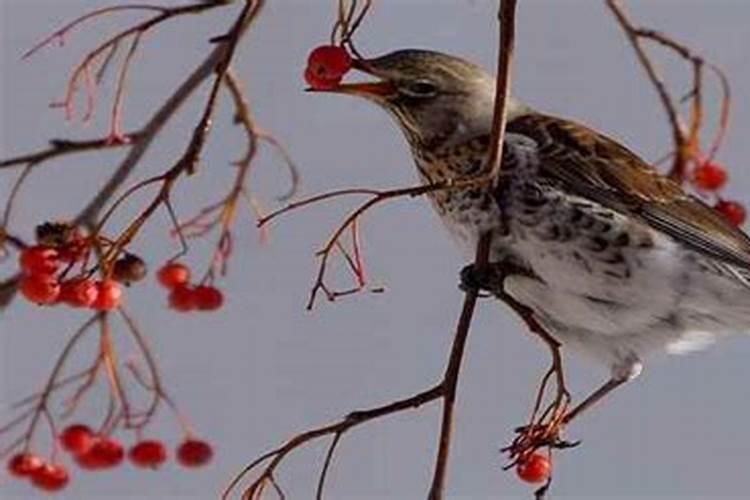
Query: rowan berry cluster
{"type": "Point", "coordinates": [92, 451]}
{"type": "Point", "coordinates": [89, 264]}
{"type": "Point", "coordinates": [49, 277]}
{"type": "Point", "coordinates": [184, 296]}
{"type": "Point", "coordinates": [59, 269]}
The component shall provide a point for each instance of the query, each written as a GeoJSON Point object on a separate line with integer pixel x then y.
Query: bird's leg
{"type": "Point", "coordinates": [545, 427]}
{"type": "Point", "coordinates": [625, 371]}
{"type": "Point", "coordinates": [562, 399]}
{"type": "Point", "coordinates": [491, 278]}
{"type": "Point", "coordinates": [593, 398]}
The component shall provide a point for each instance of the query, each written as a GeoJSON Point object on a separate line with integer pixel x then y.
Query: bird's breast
{"type": "Point", "coordinates": [466, 213]}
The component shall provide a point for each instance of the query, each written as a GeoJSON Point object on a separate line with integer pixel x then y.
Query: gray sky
{"type": "Point", "coordinates": [263, 368]}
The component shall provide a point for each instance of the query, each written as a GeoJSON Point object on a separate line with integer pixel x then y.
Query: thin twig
{"type": "Point", "coordinates": [674, 119]}
{"type": "Point", "coordinates": [14, 191]}
{"type": "Point", "coordinates": [52, 380]}
{"type": "Point", "coordinates": [326, 466]}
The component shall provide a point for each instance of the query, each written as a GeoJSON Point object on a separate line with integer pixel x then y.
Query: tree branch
{"type": "Point", "coordinates": [151, 130]}
{"type": "Point", "coordinates": [506, 17]}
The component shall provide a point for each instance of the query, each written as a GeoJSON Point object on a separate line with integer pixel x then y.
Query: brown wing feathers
{"type": "Point", "coordinates": [591, 165]}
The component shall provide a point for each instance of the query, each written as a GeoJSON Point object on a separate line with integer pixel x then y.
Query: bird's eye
{"type": "Point", "coordinates": [419, 88]}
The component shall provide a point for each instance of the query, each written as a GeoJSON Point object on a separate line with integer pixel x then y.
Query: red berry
{"type": "Point", "coordinates": [329, 62]}
{"type": "Point", "coordinates": [109, 296]}
{"type": "Point", "coordinates": [182, 298]}
{"type": "Point", "coordinates": [534, 468]}
{"type": "Point", "coordinates": [24, 464]}
{"type": "Point", "coordinates": [326, 65]}
{"type": "Point", "coordinates": [173, 274]}
{"type": "Point", "coordinates": [148, 453]}
{"type": "Point", "coordinates": [734, 211]}
{"type": "Point", "coordinates": [710, 176]}
{"type": "Point", "coordinates": [50, 477]}
{"type": "Point", "coordinates": [207, 298]}
{"type": "Point", "coordinates": [194, 453]}
{"type": "Point", "coordinates": [78, 292]}
{"type": "Point", "coordinates": [39, 259]}
{"type": "Point", "coordinates": [104, 453]}
{"type": "Point", "coordinates": [77, 439]}
{"type": "Point", "coordinates": [88, 461]}
{"type": "Point", "coordinates": [40, 288]}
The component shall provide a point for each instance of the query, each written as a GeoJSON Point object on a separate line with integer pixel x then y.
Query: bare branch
{"type": "Point", "coordinates": [339, 427]}
{"type": "Point", "coordinates": [62, 147]}
{"type": "Point", "coordinates": [686, 138]}
{"type": "Point", "coordinates": [150, 131]}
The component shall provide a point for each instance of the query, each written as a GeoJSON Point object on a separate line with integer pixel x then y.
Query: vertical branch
{"type": "Point", "coordinates": [506, 16]}
{"type": "Point", "coordinates": [450, 382]}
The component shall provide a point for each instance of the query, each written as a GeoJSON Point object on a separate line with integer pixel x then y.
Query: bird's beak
{"type": "Point", "coordinates": [379, 88]}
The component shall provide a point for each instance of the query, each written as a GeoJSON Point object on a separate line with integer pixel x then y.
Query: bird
{"type": "Point", "coordinates": [615, 260]}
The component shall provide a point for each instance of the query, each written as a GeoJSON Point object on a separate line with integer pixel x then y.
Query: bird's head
{"type": "Point", "coordinates": [435, 98]}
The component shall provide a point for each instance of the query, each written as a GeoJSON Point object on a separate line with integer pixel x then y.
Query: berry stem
{"type": "Point", "coordinates": [41, 405]}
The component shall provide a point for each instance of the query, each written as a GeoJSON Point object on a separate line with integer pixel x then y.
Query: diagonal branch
{"type": "Point", "coordinates": [61, 147]}
{"type": "Point", "coordinates": [335, 429]}
{"type": "Point", "coordinates": [150, 131]}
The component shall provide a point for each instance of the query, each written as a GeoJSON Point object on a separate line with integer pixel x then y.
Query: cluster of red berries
{"type": "Point", "coordinates": [534, 468]}
{"type": "Point", "coordinates": [184, 296]}
{"type": "Point", "coordinates": [41, 284]}
{"type": "Point", "coordinates": [46, 266]}
{"type": "Point", "coordinates": [326, 66]}
{"type": "Point", "coordinates": [43, 475]}
{"type": "Point", "coordinates": [711, 177]}
{"type": "Point", "coordinates": [94, 452]}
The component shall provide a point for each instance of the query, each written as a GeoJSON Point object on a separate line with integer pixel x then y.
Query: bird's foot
{"type": "Point", "coordinates": [532, 437]}
{"type": "Point", "coordinates": [473, 278]}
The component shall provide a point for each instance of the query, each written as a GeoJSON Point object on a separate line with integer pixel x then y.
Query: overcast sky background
{"type": "Point", "coordinates": [263, 368]}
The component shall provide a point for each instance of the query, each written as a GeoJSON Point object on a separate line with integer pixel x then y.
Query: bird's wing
{"type": "Point", "coordinates": [588, 164]}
